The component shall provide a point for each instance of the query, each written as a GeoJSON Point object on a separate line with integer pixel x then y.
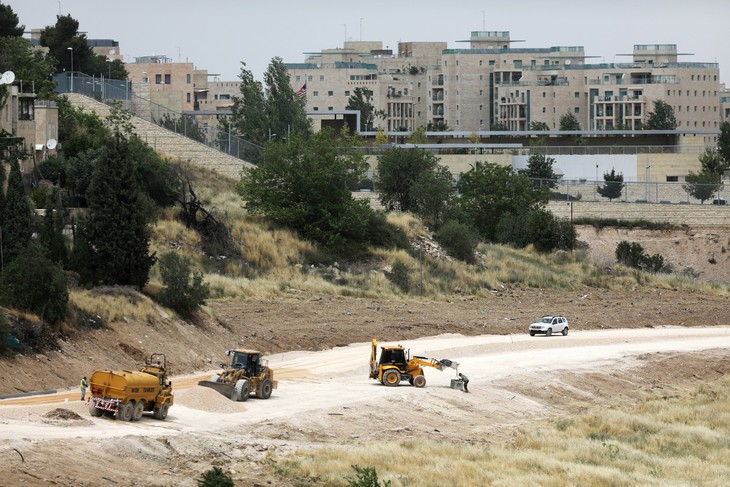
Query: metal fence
{"type": "Point", "coordinates": [634, 191]}
{"type": "Point", "coordinates": [108, 90]}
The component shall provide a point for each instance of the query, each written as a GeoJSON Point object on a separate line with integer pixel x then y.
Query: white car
{"type": "Point", "coordinates": [549, 325]}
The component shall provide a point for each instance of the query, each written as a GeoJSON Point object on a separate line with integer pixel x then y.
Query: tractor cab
{"type": "Point", "coordinates": [397, 356]}
{"type": "Point", "coordinates": [248, 360]}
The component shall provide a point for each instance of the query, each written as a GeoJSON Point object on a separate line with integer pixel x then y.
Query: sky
{"type": "Point", "coordinates": [220, 34]}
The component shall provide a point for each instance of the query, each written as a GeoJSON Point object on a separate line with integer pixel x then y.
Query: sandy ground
{"type": "Point", "coordinates": [324, 397]}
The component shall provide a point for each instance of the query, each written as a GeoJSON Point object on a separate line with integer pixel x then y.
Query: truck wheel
{"type": "Point", "coordinates": [391, 378]}
{"type": "Point", "coordinates": [264, 391]}
{"type": "Point", "coordinates": [125, 411]}
{"type": "Point", "coordinates": [137, 410]}
{"type": "Point", "coordinates": [109, 414]}
{"type": "Point", "coordinates": [96, 412]}
{"type": "Point", "coordinates": [161, 411]}
{"type": "Point", "coordinates": [241, 391]}
{"type": "Point", "coordinates": [419, 381]}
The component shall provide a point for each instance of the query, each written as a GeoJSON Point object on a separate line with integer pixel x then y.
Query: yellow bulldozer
{"type": "Point", "coordinates": [246, 373]}
{"type": "Point", "coordinates": [396, 364]}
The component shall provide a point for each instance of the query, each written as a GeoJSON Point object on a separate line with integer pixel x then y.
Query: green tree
{"type": "Point", "coordinates": [117, 228]}
{"type": "Point", "coordinates": [489, 191]}
{"type": "Point", "coordinates": [499, 127]}
{"type": "Point", "coordinates": [33, 283]}
{"type": "Point", "coordinates": [539, 126]}
{"type": "Point", "coordinates": [547, 232]}
{"type": "Point", "coordinates": [79, 130]}
{"type": "Point", "coordinates": [438, 126]}
{"type": "Point", "coordinates": [702, 185]}
{"type": "Point", "coordinates": [723, 143]}
{"type": "Point", "coordinates": [17, 229]}
{"type": "Point", "coordinates": [631, 254]}
{"type": "Point", "coordinates": [662, 117]}
{"type": "Point", "coordinates": [4, 332]}
{"type": "Point", "coordinates": [540, 167]}
{"type": "Point", "coordinates": [569, 122]}
{"type": "Point", "coordinates": [431, 194]}
{"type": "Point", "coordinates": [366, 477]}
{"type": "Point", "coordinates": [400, 275]}
{"type": "Point", "coordinates": [33, 67]}
{"type": "Point", "coordinates": [302, 183]}
{"type": "Point", "coordinates": [713, 162]}
{"type": "Point", "coordinates": [398, 170]}
{"type": "Point", "coordinates": [50, 234]}
{"type": "Point", "coordinates": [184, 290]}
{"type": "Point", "coordinates": [613, 185]}
{"type": "Point", "coordinates": [9, 22]}
{"type": "Point", "coordinates": [285, 111]}
{"type": "Point", "coordinates": [215, 477]}
{"type": "Point", "coordinates": [360, 99]}
{"type": "Point", "coordinates": [418, 136]}
{"type": "Point", "coordinates": [249, 117]}
{"type": "Point", "coordinates": [459, 240]}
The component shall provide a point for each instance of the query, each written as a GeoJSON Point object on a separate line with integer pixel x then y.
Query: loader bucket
{"type": "Point", "coordinates": [225, 388]}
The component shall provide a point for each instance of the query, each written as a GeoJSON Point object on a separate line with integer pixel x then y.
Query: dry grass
{"type": "Point", "coordinates": [681, 441]}
{"type": "Point", "coordinates": [113, 304]}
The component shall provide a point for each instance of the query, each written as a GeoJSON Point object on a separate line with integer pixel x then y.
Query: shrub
{"type": "Point", "coordinates": [459, 240]}
{"type": "Point", "coordinates": [631, 254]}
{"type": "Point", "coordinates": [33, 283]}
{"type": "Point", "coordinates": [4, 332]}
{"type": "Point", "coordinates": [380, 233]}
{"type": "Point", "coordinates": [366, 477]}
{"type": "Point", "coordinates": [215, 477]}
{"type": "Point", "coordinates": [183, 292]}
{"type": "Point", "coordinates": [400, 276]}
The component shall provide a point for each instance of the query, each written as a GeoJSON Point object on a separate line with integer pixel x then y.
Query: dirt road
{"type": "Point", "coordinates": [325, 396]}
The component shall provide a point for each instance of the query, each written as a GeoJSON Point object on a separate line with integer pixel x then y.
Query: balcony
{"type": "Point", "coordinates": [439, 97]}
{"type": "Point", "coordinates": [438, 82]}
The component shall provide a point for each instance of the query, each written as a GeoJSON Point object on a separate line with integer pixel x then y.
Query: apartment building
{"type": "Point", "coordinates": [492, 83]}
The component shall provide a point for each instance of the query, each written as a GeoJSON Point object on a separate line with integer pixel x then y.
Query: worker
{"type": "Point", "coordinates": [84, 385]}
{"type": "Point", "coordinates": [465, 381]}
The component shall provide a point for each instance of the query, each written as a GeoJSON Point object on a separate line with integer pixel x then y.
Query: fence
{"type": "Point", "coordinates": [108, 90]}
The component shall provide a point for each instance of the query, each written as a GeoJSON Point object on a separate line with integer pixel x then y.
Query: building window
{"type": "Point", "coordinates": [577, 94]}
{"type": "Point", "coordinates": [309, 78]}
{"type": "Point", "coordinates": [481, 77]}
{"type": "Point", "coordinates": [188, 97]}
{"type": "Point", "coordinates": [419, 99]}
{"type": "Point", "coordinates": [480, 107]}
{"type": "Point", "coordinates": [481, 92]}
{"type": "Point", "coordinates": [480, 62]}
{"type": "Point", "coordinates": [693, 77]}
{"type": "Point", "coordinates": [577, 109]}
{"type": "Point", "coordinates": [330, 108]}
{"type": "Point", "coordinates": [543, 109]}
{"type": "Point", "coordinates": [672, 179]}
{"type": "Point", "coordinates": [457, 62]}
{"type": "Point", "coordinates": [188, 78]}
{"type": "Point", "coordinates": [321, 77]}
{"type": "Point", "coordinates": [405, 91]}
{"type": "Point", "coordinates": [225, 96]}
{"type": "Point", "coordinates": [158, 79]}
{"type": "Point", "coordinates": [481, 122]}
{"type": "Point", "coordinates": [315, 93]}
{"type": "Point", "coordinates": [544, 94]}
{"type": "Point", "coordinates": [491, 63]}
{"type": "Point", "coordinates": [298, 77]}
{"type": "Point", "coordinates": [347, 93]}
{"type": "Point", "coordinates": [316, 109]}
{"type": "Point", "coordinates": [330, 93]}
{"type": "Point", "coordinates": [669, 92]}
{"type": "Point", "coordinates": [167, 79]}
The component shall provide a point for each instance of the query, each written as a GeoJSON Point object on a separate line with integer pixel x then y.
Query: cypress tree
{"type": "Point", "coordinates": [117, 229]}
{"type": "Point", "coordinates": [50, 233]}
{"type": "Point", "coordinates": [17, 216]}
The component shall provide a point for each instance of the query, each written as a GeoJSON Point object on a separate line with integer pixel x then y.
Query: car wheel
{"type": "Point", "coordinates": [565, 331]}
{"type": "Point", "coordinates": [549, 332]}
{"type": "Point", "coordinates": [532, 333]}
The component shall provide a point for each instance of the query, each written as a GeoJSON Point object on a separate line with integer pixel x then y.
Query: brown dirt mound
{"type": "Point", "coordinates": [61, 413]}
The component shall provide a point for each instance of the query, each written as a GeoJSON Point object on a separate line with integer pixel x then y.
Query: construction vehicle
{"type": "Point", "coordinates": [396, 364]}
{"type": "Point", "coordinates": [126, 394]}
{"type": "Point", "coordinates": [246, 373]}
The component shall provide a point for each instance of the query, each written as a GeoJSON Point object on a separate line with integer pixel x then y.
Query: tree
{"type": "Point", "coordinates": [431, 193]}
{"type": "Point", "coordinates": [50, 234]}
{"type": "Point", "coordinates": [540, 166]}
{"type": "Point", "coordinates": [713, 162]}
{"type": "Point", "coordinates": [459, 240]}
{"type": "Point", "coordinates": [398, 170]}
{"type": "Point", "coordinates": [33, 283]}
{"type": "Point", "coordinates": [360, 100]}
{"type": "Point", "coordinates": [33, 67]}
{"type": "Point", "coordinates": [117, 228]}
{"type": "Point", "coordinates": [9, 22]}
{"type": "Point", "coordinates": [662, 117]}
{"type": "Point", "coordinates": [17, 229]}
{"type": "Point", "coordinates": [614, 185]}
{"type": "Point", "coordinates": [631, 254]}
{"type": "Point", "coordinates": [499, 127]}
{"type": "Point", "coordinates": [302, 183]}
{"type": "Point", "coordinates": [489, 191]}
{"type": "Point", "coordinates": [249, 117]}
{"type": "Point", "coordinates": [215, 477]}
{"type": "Point", "coordinates": [4, 332]}
{"type": "Point", "coordinates": [285, 110]}
{"type": "Point", "coordinates": [418, 136]}
{"type": "Point", "coordinates": [539, 126]}
{"type": "Point", "coordinates": [547, 232]}
{"type": "Point", "coordinates": [569, 122]}
{"type": "Point", "coordinates": [702, 185]}
{"type": "Point", "coordinates": [723, 143]}
{"type": "Point", "coordinates": [184, 289]}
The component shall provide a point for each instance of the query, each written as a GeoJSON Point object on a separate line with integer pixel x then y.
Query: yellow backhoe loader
{"type": "Point", "coordinates": [396, 364]}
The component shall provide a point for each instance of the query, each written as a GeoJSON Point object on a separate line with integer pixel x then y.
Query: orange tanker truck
{"type": "Point", "coordinates": [126, 394]}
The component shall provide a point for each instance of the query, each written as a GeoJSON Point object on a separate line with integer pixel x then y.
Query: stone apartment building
{"type": "Point", "coordinates": [492, 83]}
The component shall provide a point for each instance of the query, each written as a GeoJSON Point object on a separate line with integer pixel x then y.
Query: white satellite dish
{"type": "Point", "coordinates": [7, 78]}
{"type": "Point", "coordinates": [112, 51]}
{"type": "Point", "coordinates": [567, 61]}
{"type": "Point", "coordinates": [51, 144]}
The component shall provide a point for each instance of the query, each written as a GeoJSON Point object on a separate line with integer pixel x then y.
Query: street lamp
{"type": "Point", "coordinates": [72, 67]}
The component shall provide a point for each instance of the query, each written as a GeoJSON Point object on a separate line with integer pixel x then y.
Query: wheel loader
{"type": "Point", "coordinates": [246, 373]}
{"type": "Point", "coordinates": [396, 364]}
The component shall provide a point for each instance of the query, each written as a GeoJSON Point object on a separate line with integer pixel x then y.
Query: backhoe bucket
{"type": "Point", "coordinates": [457, 384]}
{"type": "Point", "coordinates": [225, 388]}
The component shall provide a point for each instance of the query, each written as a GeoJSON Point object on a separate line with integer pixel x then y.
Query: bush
{"type": "Point", "coordinates": [380, 233]}
{"type": "Point", "coordinates": [215, 477]}
{"type": "Point", "coordinates": [33, 283]}
{"type": "Point", "coordinates": [631, 254]}
{"type": "Point", "coordinates": [366, 477]}
{"type": "Point", "coordinates": [459, 240]}
{"type": "Point", "coordinates": [400, 276]}
{"type": "Point", "coordinates": [183, 292]}
{"type": "Point", "coordinates": [4, 332]}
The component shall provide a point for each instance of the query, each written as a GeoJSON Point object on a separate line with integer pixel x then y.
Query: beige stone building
{"type": "Point", "coordinates": [492, 83]}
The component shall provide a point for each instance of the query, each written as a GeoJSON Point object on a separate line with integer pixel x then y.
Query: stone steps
{"type": "Point", "coordinates": [169, 144]}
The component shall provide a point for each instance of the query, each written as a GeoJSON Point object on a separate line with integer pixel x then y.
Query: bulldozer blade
{"type": "Point", "coordinates": [225, 388]}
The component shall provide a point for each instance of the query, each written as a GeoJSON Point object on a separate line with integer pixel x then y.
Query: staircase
{"type": "Point", "coordinates": [169, 144]}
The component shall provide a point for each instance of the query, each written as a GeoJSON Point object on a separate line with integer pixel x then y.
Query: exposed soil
{"type": "Point", "coordinates": [657, 340]}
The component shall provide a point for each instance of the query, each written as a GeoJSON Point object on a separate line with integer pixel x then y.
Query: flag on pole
{"type": "Point", "coordinates": [302, 91]}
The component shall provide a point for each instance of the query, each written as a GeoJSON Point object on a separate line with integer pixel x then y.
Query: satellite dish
{"type": "Point", "coordinates": [7, 78]}
{"type": "Point", "coordinates": [51, 144]}
{"type": "Point", "coordinates": [567, 61]}
{"type": "Point", "coordinates": [112, 51]}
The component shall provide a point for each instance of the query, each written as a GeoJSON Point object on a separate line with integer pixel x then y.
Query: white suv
{"type": "Point", "coordinates": [549, 325]}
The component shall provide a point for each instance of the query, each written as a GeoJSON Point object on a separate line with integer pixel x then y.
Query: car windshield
{"type": "Point", "coordinates": [546, 319]}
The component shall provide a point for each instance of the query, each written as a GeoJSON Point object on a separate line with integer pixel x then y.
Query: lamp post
{"type": "Point", "coordinates": [109, 65]}
{"type": "Point", "coordinates": [72, 67]}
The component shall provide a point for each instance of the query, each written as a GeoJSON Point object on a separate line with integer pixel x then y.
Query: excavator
{"type": "Point", "coordinates": [396, 364]}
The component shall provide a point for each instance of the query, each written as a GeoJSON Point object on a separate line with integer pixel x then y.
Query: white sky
{"type": "Point", "coordinates": [218, 35]}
